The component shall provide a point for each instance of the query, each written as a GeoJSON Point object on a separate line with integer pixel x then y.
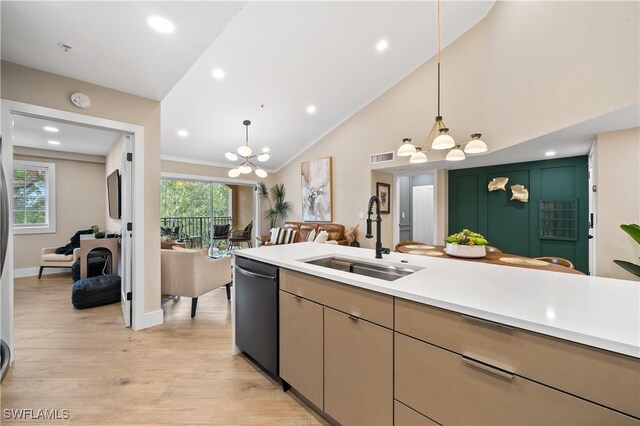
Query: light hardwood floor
{"type": "Point", "coordinates": [181, 372]}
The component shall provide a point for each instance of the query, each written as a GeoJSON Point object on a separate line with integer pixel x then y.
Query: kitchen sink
{"type": "Point", "coordinates": [375, 270]}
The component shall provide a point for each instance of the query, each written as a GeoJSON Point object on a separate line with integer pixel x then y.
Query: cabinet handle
{"type": "Point", "coordinates": [487, 322]}
{"type": "Point", "coordinates": [353, 318]}
{"type": "Point", "coordinates": [298, 298]}
{"type": "Point", "coordinates": [486, 367]}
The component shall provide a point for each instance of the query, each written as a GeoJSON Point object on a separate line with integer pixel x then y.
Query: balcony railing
{"type": "Point", "coordinates": [195, 226]}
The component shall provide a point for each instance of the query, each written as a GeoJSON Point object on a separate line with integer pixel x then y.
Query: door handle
{"type": "Point", "coordinates": [353, 318]}
{"type": "Point", "coordinates": [487, 322]}
{"type": "Point", "coordinates": [486, 367]}
{"type": "Point", "coordinates": [298, 298]}
{"type": "Point", "coordinates": [590, 237]}
{"type": "Point", "coordinates": [254, 274]}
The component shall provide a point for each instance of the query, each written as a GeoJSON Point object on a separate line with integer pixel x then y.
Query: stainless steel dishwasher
{"type": "Point", "coordinates": [256, 312]}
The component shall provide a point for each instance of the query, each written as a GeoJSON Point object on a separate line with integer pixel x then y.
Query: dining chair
{"type": "Point", "coordinates": [408, 242]}
{"type": "Point", "coordinates": [557, 261]}
{"type": "Point", "coordinates": [492, 249]}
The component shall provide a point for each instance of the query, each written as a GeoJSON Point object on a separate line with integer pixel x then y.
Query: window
{"type": "Point", "coordinates": [34, 197]}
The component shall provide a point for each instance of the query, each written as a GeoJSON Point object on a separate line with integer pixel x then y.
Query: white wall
{"type": "Point", "coordinates": [617, 201]}
{"type": "Point", "coordinates": [113, 162]}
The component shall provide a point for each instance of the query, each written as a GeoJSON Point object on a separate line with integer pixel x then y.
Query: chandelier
{"type": "Point", "coordinates": [246, 166]}
{"type": "Point", "coordinates": [443, 141]}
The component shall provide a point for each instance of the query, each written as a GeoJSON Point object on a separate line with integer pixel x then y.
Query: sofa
{"type": "Point", "coordinates": [335, 230]}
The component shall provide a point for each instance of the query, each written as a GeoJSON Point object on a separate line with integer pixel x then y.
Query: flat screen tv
{"type": "Point", "coordinates": [113, 193]}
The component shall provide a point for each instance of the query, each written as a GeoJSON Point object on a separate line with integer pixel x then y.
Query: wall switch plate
{"type": "Point", "coordinates": [361, 215]}
{"type": "Point", "coordinates": [403, 215]}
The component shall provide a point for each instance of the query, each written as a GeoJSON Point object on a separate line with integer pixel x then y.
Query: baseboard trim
{"type": "Point", "coordinates": [150, 319]}
{"type": "Point", "coordinates": [33, 272]}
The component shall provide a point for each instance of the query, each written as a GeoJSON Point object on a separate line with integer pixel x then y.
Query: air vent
{"type": "Point", "coordinates": [384, 157]}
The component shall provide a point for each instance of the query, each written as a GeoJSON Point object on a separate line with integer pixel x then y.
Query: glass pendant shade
{"type": "Point", "coordinates": [455, 154]}
{"type": "Point", "coordinates": [231, 156]}
{"type": "Point", "coordinates": [407, 149]}
{"type": "Point", "coordinates": [475, 145]}
{"type": "Point", "coordinates": [261, 173]}
{"type": "Point", "coordinates": [443, 141]}
{"type": "Point", "coordinates": [244, 169]}
{"type": "Point", "coordinates": [244, 151]}
{"type": "Point", "coordinates": [263, 157]}
{"type": "Point", "coordinates": [233, 173]}
{"type": "Point", "coordinates": [418, 157]}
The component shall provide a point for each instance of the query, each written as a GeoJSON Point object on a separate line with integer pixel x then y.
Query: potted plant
{"type": "Point", "coordinates": [466, 244]}
{"type": "Point", "coordinates": [278, 207]}
{"type": "Point", "coordinates": [632, 229]}
{"type": "Point", "coordinates": [352, 236]}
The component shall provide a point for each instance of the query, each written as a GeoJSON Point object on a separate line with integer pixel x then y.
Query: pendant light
{"type": "Point", "coordinates": [246, 166]}
{"type": "Point", "coordinates": [443, 140]}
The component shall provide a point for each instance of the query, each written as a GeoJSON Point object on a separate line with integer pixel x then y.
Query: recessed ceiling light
{"type": "Point", "coordinates": [183, 133]}
{"type": "Point", "coordinates": [550, 153]}
{"type": "Point", "coordinates": [160, 24]}
{"type": "Point", "coordinates": [54, 142]}
{"type": "Point", "coordinates": [382, 45]}
{"type": "Point", "coordinates": [265, 149]}
{"type": "Point", "coordinates": [51, 129]}
{"type": "Point", "coordinates": [311, 109]}
{"type": "Point", "coordinates": [218, 73]}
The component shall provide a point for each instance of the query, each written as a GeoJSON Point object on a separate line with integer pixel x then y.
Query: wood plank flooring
{"type": "Point", "coordinates": [181, 372]}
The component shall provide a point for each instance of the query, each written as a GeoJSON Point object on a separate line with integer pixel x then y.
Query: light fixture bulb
{"type": "Point", "coordinates": [455, 154]}
{"type": "Point", "coordinates": [311, 109]}
{"type": "Point", "coordinates": [245, 169]}
{"type": "Point", "coordinates": [218, 73]}
{"type": "Point", "coordinates": [263, 157]}
{"type": "Point", "coordinates": [407, 149]}
{"type": "Point", "coordinates": [265, 149]}
{"type": "Point", "coordinates": [54, 142]}
{"type": "Point", "coordinates": [261, 173]}
{"type": "Point", "coordinates": [51, 129]}
{"type": "Point", "coordinates": [233, 173]}
{"type": "Point", "coordinates": [231, 156]}
{"type": "Point", "coordinates": [382, 45]}
{"type": "Point", "coordinates": [244, 151]}
{"type": "Point", "coordinates": [183, 133]}
{"type": "Point", "coordinates": [475, 145]}
{"type": "Point", "coordinates": [443, 141]}
{"type": "Point", "coordinates": [550, 153]}
{"type": "Point", "coordinates": [418, 157]}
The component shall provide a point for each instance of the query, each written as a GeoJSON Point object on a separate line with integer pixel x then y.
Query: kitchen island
{"type": "Point", "coordinates": [453, 342]}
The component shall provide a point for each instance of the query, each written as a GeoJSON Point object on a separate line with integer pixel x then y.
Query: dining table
{"type": "Point", "coordinates": [503, 259]}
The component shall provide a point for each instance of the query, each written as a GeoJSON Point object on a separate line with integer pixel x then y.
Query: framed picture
{"type": "Point", "coordinates": [316, 190]}
{"type": "Point", "coordinates": [383, 191]}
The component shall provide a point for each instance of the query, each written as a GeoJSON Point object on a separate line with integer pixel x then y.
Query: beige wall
{"type": "Point", "coordinates": [617, 201]}
{"type": "Point", "coordinates": [242, 205]}
{"type": "Point", "coordinates": [28, 85]}
{"type": "Point", "coordinates": [509, 77]}
{"type": "Point", "coordinates": [113, 162]}
{"type": "Point", "coordinates": [80, 203]}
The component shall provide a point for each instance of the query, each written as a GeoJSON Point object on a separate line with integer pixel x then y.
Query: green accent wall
{"type": "Point", "coordinates": [513, 226]}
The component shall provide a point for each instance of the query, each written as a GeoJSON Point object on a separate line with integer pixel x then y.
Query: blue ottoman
{"type": "Point", "coordinates": [96, 291]}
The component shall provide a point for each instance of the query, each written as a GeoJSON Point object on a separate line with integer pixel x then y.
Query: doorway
{"type": "Point", "coordinates": [423, 213]}
{"type": "Point", "coordinates": [12, 111]}
{"type": "Point", "coordinates": [416, 213]}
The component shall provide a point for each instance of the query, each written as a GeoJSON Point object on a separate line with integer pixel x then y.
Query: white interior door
{"type": "Point", "coordinates": [126, 200]}
{"type": "Point", "coordinates": [423, 213]}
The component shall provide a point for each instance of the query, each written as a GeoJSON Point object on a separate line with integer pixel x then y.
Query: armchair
{"type": "Point", "coordinates": [191, 273]}
{"type": "Point", "coordinates": [241, 236]}
{"type": "Point", "coordinates": [49, 259]}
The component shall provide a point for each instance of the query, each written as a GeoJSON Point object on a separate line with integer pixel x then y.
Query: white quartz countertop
{"type": "Point", "coordinates": [599, 312]}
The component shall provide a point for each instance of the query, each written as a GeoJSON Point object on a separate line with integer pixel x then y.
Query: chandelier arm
{"type": "Point", "coordinates": [433, 129]}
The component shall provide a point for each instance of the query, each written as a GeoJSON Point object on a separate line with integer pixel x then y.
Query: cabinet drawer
{"type": "Point", "coordinates": [440, 384]}
{"type": "Point", "coordinates": [604, 377]}
{"type": "Point", "coordinates": [301, 346]}
{"type": "Point", "coordinates": [405, 416]}
{"type": "Point", "coordinates": [374, 307]}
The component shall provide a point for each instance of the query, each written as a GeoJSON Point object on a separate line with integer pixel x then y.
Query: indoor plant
{"type": "Point", "coordinates": [278, 207]}
{"type": "Point", "coordinates": [466, 244]}
{"type": "Point", "coordinates": [632, 229]}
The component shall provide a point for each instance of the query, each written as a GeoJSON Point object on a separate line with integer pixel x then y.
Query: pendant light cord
{"type": "Point", "coordinates": [438, 18]}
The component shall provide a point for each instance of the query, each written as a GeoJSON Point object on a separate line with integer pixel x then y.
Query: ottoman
{"type": "Point", "coordinates": [96, 291]}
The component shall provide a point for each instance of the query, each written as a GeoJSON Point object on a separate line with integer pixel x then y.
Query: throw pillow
{"type": "Point", "coordinates": [286, 236]}
{"type": "Point", "coordinates": [322, 237]}
{"type": "Point", "coordinates": [273, 238]}
{"type": "Point", "coordinates": [311, 236]}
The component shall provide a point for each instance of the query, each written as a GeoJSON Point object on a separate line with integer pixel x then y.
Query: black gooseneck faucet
{"type": "Point", "coordinates": [379, 249]}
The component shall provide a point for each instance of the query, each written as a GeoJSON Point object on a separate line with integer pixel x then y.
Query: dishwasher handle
{"type": "Point", "coordinates": [255, 274]}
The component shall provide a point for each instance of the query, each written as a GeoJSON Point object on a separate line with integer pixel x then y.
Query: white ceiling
{"type": "Point", "coordinates": [287, 55]}
{"type": "Point", "coordinates": [29, 132]}
{"type": "Point", "coordinates": [112, 44]}
{"type": "Point", "coordinates": [568, 142]}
